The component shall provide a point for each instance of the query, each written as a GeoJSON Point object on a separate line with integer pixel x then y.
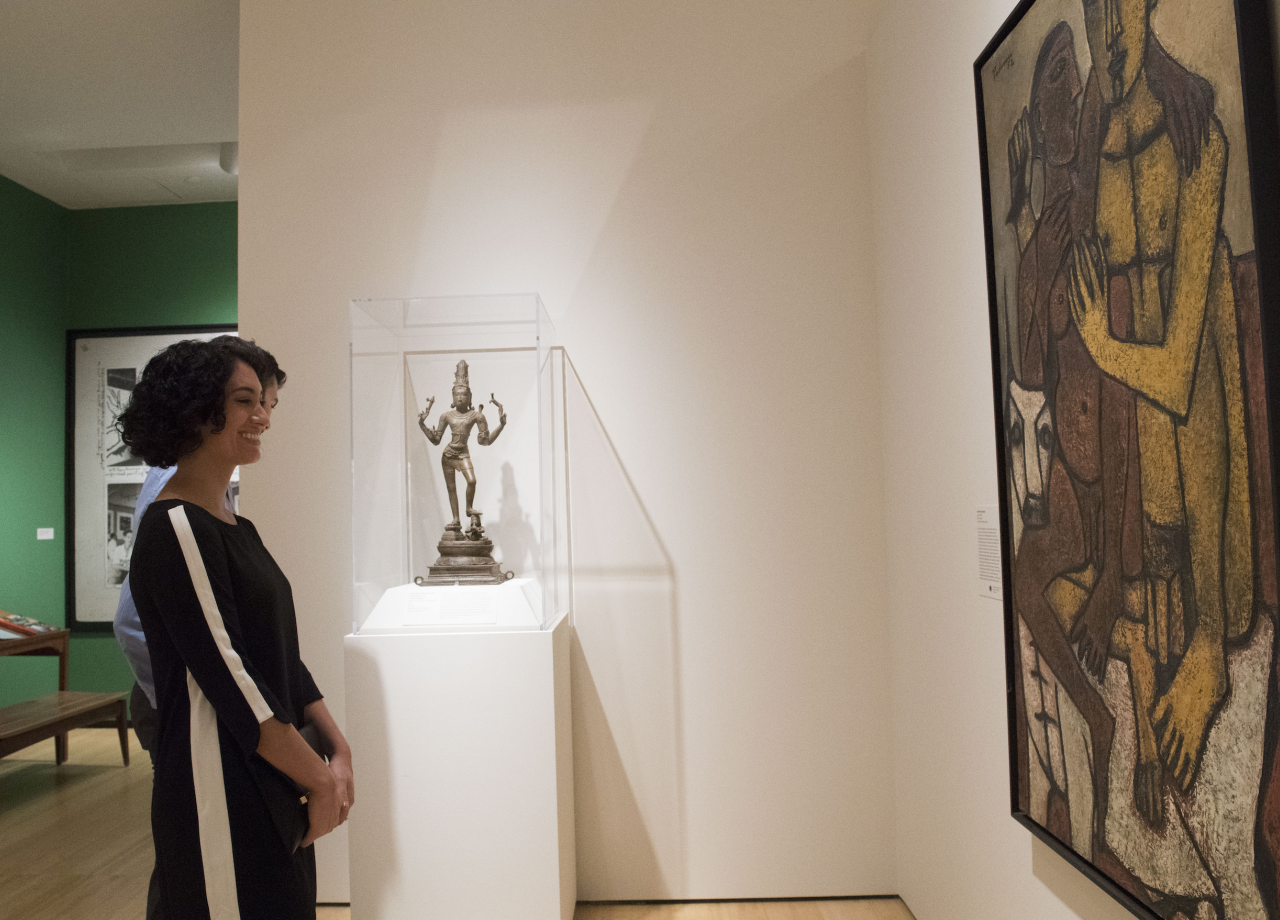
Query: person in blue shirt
{"type": "Point", "coordinates": [128, 627]}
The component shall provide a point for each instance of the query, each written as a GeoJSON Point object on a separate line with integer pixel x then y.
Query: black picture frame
{"type": "Point", "coordinates": [91, 608]}
{"type": "Point", "coordinates": [1261, 147]}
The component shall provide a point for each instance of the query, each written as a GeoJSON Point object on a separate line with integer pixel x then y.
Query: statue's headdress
{"type": "Point", "coordinates": [460, 381]}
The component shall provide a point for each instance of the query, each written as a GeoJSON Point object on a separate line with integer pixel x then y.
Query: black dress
{"type": "Point", "coordinates": [219, 619]}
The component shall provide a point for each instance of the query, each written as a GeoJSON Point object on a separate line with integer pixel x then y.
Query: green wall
{"type": "Point", "coordinates": [60, 270]}
{"type": "Point", "coordinates": [32, 419]}
{"type": "Point", "coordinates": [158, 266]}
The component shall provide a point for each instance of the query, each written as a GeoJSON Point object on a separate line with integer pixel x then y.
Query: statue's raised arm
{"type": "Point", "coordinates": [487, 437]}
{"type": "Point", "coordinates": [433, 434]}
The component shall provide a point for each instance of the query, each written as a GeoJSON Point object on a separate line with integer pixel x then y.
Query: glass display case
{"type": "Point", "coordinates": [405, 356]}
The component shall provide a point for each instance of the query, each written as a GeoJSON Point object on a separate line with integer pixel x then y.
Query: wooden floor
{"type": "Point", "coordinates": [75, 840]}
{"type": "Point", "coordinates": [75, 844]}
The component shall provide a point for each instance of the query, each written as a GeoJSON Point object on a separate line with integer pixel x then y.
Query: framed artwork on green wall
{"type": "Point", "coordinates": [103, 478]}
{"type": "Point", "coordinates": [1132, 214]}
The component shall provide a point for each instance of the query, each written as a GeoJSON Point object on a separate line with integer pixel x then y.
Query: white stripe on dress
{"type": "Point", "coordinates": [213, 616]}
{"type": "Point", "coordinates": [211, 808]}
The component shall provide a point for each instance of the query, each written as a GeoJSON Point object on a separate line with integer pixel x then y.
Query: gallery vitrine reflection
{"type": "Point", "coordinates": [463, 390]}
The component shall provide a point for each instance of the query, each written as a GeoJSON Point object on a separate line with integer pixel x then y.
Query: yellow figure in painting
{"type": "Point", "coordinates": [1160, 262]}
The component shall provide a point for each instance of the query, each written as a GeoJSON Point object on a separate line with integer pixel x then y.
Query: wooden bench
{"type": "Point", "coordinates": [24, 724]}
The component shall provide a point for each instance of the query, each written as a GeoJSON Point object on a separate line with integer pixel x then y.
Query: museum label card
{"type": "Point", "coordinates": [452, 606]}
{"type": "Point", "coordinates": [990, 583]}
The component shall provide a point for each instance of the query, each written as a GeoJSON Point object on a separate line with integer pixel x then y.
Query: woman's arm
{"type": "Point", "coordinates": [339, 753]}
{"type": "Point", "coordinates": [280, 745]}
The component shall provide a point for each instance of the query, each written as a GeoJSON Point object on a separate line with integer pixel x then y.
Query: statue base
{"type": "Point", "coordinates": [464, 560]}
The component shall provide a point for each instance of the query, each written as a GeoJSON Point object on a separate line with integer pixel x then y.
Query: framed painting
{"type": "Point", "coordinates": [103, 478]}
{"type": "Point", "coordinates": [1128, 152]}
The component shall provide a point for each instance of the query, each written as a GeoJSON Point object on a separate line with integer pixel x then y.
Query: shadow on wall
{"type": "Point", "coordinates": [627, 737]}
{"type": "Point", "coordinates": [513, 533]}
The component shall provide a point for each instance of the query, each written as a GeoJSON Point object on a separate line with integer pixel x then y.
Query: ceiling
{"type": "Point", "coordinates": [120, 103]}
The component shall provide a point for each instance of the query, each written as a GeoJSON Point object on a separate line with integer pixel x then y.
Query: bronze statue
{"type": "Point", "coordinates": [464, 558]}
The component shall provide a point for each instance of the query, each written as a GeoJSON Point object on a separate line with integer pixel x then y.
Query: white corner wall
{"type": "Point", "coordinates": [687, 186]}
{"type": "Point", "coordinates": [960, 855]}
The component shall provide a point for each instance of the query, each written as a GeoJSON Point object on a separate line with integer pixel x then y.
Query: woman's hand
{"type": "Point", "coordinates": [280, 745]}
{"type": "Point", "coordinates": [339, 753]}
{"type": "Point", "coordinates": [324, 806]}
{"type": "Point", "coordinates": [340, 767]}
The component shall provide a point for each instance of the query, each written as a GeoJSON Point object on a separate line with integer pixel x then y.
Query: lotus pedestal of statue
{"type": "Point", "coordinates": [465, 558]}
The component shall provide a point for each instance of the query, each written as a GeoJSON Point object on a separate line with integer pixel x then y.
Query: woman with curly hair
{"type": "Point", "coordinates": [222, 635]}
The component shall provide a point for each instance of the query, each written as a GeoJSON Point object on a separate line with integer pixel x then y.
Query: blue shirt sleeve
{"type": "Point", "coordinates": [128, 626]}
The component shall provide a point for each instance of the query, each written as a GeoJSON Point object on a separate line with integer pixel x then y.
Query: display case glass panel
{"type": "Point", "coordinates": [403, 353]}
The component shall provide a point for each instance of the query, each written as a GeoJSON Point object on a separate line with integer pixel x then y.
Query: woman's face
{"type": "Point", "coordinates": [248, 410]}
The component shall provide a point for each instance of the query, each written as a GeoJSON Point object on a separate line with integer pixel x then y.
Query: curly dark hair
{"type": "Point", "coordinates": [183, 388]}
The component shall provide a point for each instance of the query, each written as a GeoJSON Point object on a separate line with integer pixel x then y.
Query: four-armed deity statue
{"type": "Point", "coordinates": [465, 557]}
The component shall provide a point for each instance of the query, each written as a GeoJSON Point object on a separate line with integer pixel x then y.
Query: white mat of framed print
{"type": "Point", "coordinates": [103, 478]}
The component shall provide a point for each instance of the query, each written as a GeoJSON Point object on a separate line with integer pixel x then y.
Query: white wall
{"type": "Point", "coordinates": [686, 184]}
{"type": "Point", "coordinates": [960, 855]}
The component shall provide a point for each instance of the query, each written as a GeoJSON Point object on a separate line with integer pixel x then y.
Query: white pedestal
{"type": "Point", "coordinates": [463, 756]}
